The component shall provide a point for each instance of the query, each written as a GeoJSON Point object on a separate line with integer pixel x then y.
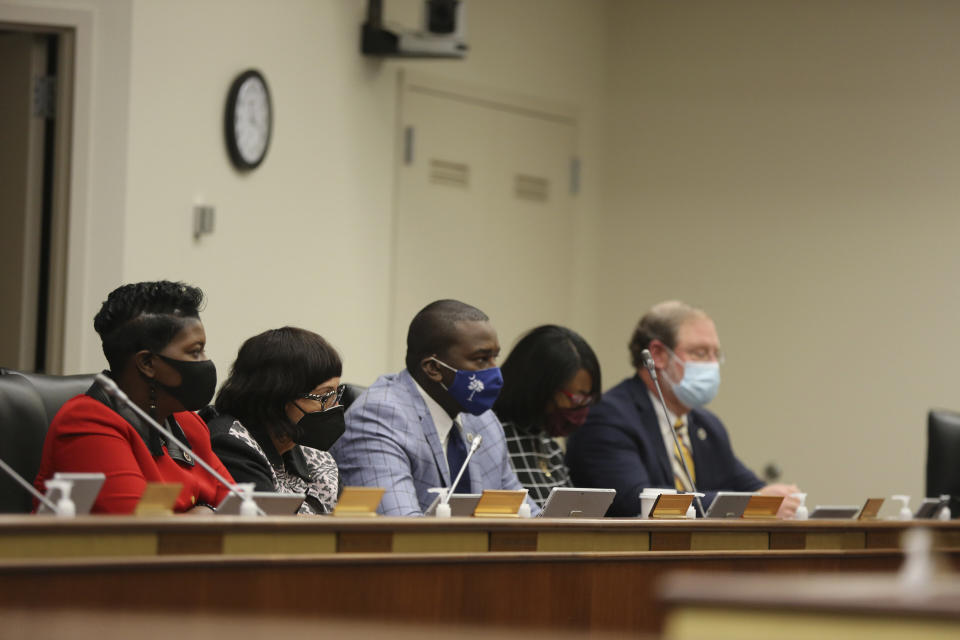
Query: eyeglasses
{"type": "Point", "coordinates": [325, 398]}
{"type": "Point", "coordinates": [578, 399]}
{"type": "Point", "coordinates": [704, 354]}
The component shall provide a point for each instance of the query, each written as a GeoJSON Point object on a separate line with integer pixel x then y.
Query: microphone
{"type": "Point", "coordinates": [108, 385]}
{"type": "Point", "coordinates": [651, 367]}
{"type": "Point", "coordinates": [473, 448]}
{"type": "Point", "coordinates": [29, 487]}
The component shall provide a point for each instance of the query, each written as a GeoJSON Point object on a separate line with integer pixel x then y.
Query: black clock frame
{"type": "Point", "coordinates": [229, 114]}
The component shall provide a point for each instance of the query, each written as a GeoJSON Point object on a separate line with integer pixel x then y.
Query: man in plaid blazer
{"type": "Point", "coordinates": [398, 430]}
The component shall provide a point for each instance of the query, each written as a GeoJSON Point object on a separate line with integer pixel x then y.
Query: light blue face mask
{"type": "Point", "coordinates": [699, 385]}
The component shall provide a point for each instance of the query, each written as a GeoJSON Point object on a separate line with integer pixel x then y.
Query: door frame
{"type": "Point", "coordinates": [70, 193]}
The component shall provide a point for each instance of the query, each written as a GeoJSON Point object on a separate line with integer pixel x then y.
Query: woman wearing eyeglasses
{"type": "Point", "coordinates": [279, 412]}
{"type": "Point", "coordinates": [550, 379]}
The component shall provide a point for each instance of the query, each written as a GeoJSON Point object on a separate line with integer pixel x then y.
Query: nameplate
{"type": "Point", "coordinates": [158, 499]}
{"type": "Point", "coordinates": [499, 503]}
{"type": "Point", "coordinates": [671, 505]}
{"type": "Point", "coordinates": [870, 509]}
{"type": "Point", "coordinates": [762, 507]}
{"type": "Point", "coordinates": [359, 502]}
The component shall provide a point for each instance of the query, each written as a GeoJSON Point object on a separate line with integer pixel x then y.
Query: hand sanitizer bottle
{"type": "Point", "coordinates": [905, 513]}
{"type": "Point", "coordinates": [65, 506]}
{"type": "Point", "coordinates": [802, 512]}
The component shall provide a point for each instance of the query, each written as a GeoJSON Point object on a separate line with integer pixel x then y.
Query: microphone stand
{"type": "Point", "coordinates": [453, 485]}
{"type": "Point", "coordinates": [112, 389]}
{"type": "Point", "coordinates": [651, 367]}
{"type": "Point", "coordinates": [29, 487]}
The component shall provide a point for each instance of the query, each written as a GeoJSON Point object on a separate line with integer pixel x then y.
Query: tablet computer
{"type": "Point", "coordinates": [834, 512]}
{"type": "Point", "coordinates": [272, 504]}
{"type": "Point", "coordinates": [728, 504]}
{"type": "Point", "coordinates": [461, 504]}
{"type": "Point", "coordinates": [86, 488]}
{"type": "Point", "coordinates": [929, 508]}
{"type": "Point", "coordinates": [569, 502]}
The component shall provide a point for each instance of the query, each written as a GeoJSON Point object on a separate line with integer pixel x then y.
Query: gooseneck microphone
{"type": "Point", "coordinates": [29, 487]}
{"type": "Point", "coordinates": [473, 449]}
{"type": "Point", "coordinates": [651, 367]}
{"type": "Point", "coordinates": [115, 392]}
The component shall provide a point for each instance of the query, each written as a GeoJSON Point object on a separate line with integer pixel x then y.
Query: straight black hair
{"type": "Point", "coordinates": [272, 369]}
{"type": "Point", "coordinates": [542, 363]}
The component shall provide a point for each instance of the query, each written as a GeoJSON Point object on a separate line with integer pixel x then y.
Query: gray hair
{"type": "Point", "coordinates": [661, 323]}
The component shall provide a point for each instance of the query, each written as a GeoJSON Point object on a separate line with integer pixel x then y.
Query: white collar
{"type": "Point", "coordinates": [441, 419]}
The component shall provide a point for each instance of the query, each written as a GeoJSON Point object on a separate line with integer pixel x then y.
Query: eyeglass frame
{"type": "Point", "coordinates": [720, 357]}
{"type": "Point", "coordinates": [322, 399]}
{"type": "Point", "coordinates": [572, 397]}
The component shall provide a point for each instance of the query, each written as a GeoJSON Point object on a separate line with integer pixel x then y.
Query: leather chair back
{"type": "Point", "coordinates": [28, 403]}
{"type": "Point", "coordinates": [350, 393]}
{"type": "Point", "coordinates": [943, 457]}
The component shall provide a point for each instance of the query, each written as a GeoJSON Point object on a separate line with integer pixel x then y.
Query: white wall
{"type": "Point", "coordinates": [791, 167]}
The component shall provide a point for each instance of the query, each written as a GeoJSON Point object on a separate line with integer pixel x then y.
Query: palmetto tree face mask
{"type": "Point", "coordinates": [474, 391]}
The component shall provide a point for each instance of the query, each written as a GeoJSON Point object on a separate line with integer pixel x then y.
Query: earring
{"type": "Point", "coordinates": [153, 399]}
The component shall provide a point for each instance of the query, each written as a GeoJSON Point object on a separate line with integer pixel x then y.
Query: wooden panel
{"type": "Point", "coordinates": [365, 542]}
{"type": "Point", "coordinates": [615, 592]}
{"type": "Point", "coordinates": [721, 624]}
{"type": "Point", "coordinates": [788, 540]}
{"type": "Point", "coordinates": [946, 539]}
{"type": "Point", "coordinates": [513, 541]}
{"type": "Point", "coordinates": [179, 543]}
{"type": "Point", "coordinates": [729, 541]}
{"type": "Point", "coordinates": [77, 545]}
{"type": "Point", "coordinates": [669, 540]}
{"type": "Point", "coordinates": [883, 539]}
{"type": "Point", "coordinates": [243, 543]}
{"type": "Point", "coordinates": [836, 540]}
{"type": "Point", "coordinates": [441, 542]}
{"type": "Point", "coordinates": [593, 541]}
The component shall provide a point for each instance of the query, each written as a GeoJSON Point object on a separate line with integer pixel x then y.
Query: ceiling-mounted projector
{"type": "Point", "coordinates": [442, 35]}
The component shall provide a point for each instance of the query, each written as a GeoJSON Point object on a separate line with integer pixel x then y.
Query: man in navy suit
{"type": "Point", "coordinates": [626, 444]}
{"type": "Point", "coordinates": [411, 431]}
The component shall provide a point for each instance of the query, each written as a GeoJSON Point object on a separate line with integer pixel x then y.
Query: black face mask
{"type": "Point", "coordinates": [320, 429]}
{"type": "Point", "coordinates": [198, 381]}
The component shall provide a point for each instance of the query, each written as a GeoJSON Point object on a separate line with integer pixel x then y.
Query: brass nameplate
{"type": "Point", "coordinates": [761, 507]}
{"type": "Point", "coordinates": [870, 509]}
{"type": "Point", "coordinates": [671, 505]}
{"type": "Point", "coordinates": [498, 503]}
{"type": "Point", "coordinates": [158, 499]}
{"type": "Point", "coordinates": [359, 501]}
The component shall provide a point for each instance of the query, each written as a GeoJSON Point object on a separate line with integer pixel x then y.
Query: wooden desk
{"type": "Point", "coordinates": [579, 575]}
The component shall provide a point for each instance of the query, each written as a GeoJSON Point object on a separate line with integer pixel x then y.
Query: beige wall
{"type": "Point", "coordinates": [792, 167]}
{"type": "Point", "coordinates": [787, 165]}
{"type": "Point", "coordinates": [306, 238]}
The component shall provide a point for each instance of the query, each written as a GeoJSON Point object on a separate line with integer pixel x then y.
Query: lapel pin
{"type": "Point", "coordinates": [702, 433]}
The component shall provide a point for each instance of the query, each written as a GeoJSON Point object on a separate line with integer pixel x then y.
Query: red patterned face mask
{"type": "Point", "coordinates": [562, 422]}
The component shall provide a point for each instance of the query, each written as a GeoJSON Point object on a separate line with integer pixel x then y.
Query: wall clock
{"type": "Point", "coordinates": [248, 120]}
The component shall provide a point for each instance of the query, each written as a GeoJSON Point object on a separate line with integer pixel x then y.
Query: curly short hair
{"type": "Point", "coordinates": [660, 323]}
{"type": "Point", "coordinates": [272, 369]}
{"type": "Point", "coordinates": [144, 315]}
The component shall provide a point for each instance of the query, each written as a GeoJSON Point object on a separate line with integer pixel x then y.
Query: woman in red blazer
{"type": "Point", "coordinates": [154, 342]}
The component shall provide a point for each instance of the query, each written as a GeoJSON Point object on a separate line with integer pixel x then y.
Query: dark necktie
{"type": "Point", "coordinates": [456, 454]}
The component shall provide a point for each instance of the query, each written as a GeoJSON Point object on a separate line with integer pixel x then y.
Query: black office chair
{"type": "Point", "coordinates": [943, 457]}
{"type": "Point", "coordinates": [28, 402]}
{"type": "Point", "coordinates": [350, 393]}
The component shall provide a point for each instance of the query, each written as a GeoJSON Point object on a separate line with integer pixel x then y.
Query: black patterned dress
{"type": "Point", "coordinates": [538, 461]}
{"type": "Point", "coordinates": [250, 456]}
